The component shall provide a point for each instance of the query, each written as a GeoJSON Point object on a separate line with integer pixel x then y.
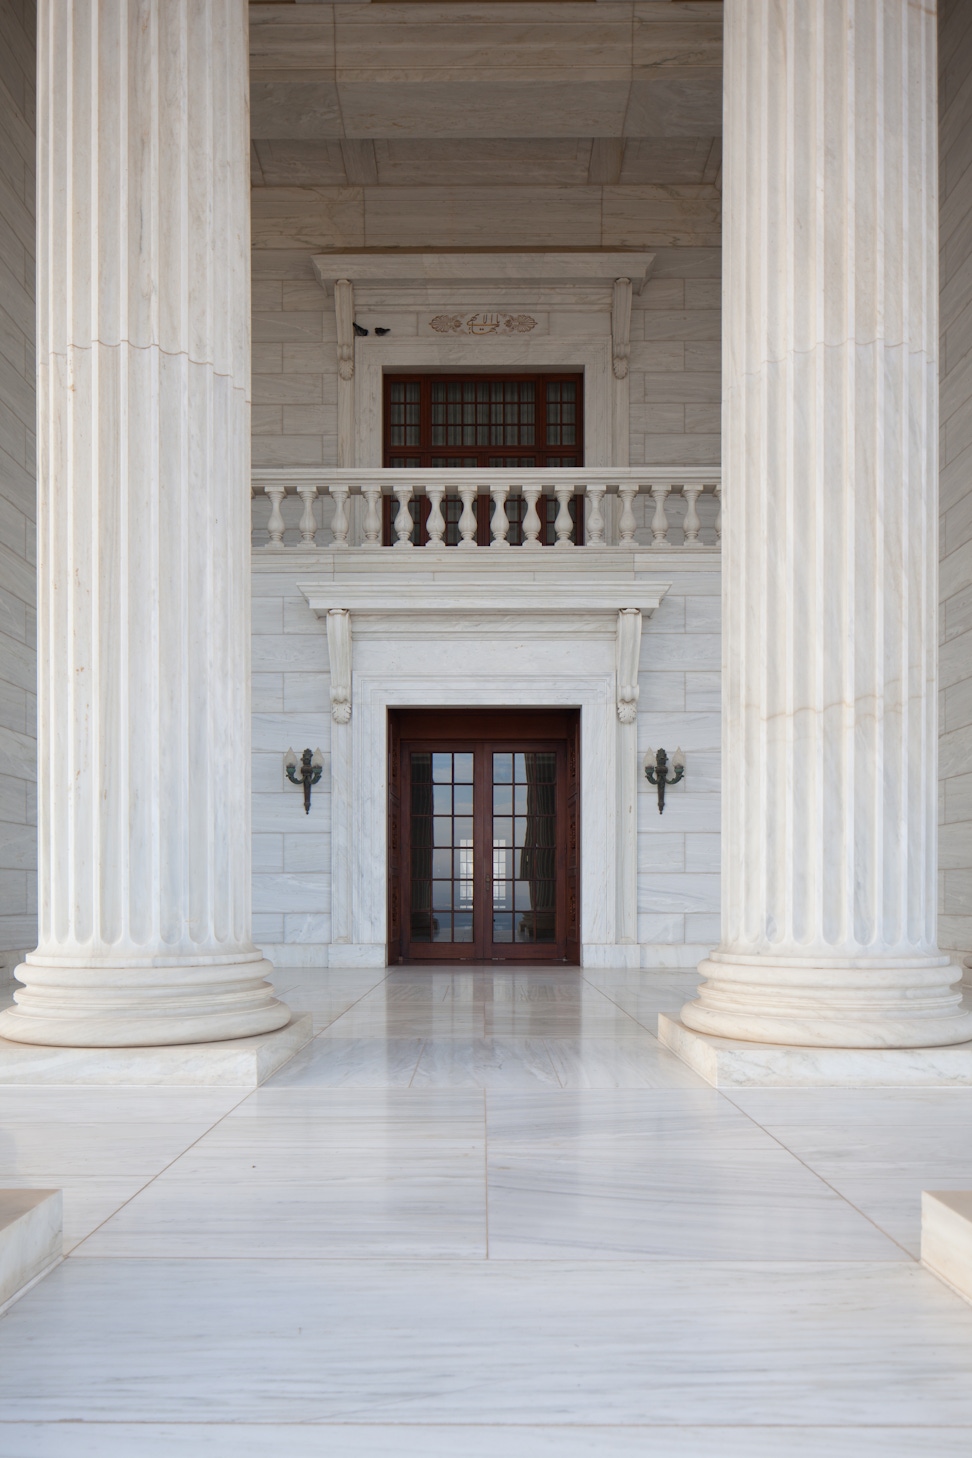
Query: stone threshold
{"type": "Point", "coordinates": [236, 1063]}
{"type": "Point", "coordinates": [725, 1063]}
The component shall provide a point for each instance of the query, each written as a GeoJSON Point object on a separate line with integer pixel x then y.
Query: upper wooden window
{"type": "Point", "coordinates": [483, 421]}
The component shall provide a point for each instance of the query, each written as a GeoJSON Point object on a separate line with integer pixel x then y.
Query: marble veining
{"type": "Point", "coordinates": [536, 1242]}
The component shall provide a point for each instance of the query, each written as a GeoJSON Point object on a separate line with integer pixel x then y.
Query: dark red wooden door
{"type": "Point", "coordinates": [483, 836]}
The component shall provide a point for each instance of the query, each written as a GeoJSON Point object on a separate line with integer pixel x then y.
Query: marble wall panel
{"type": "Point", "coordinates": [295, 109]}
{"type": "Point", "coordinates": [311, 218]}
{"type": "Point", "coordinates": [420, 40]}
{"type": "Point", "coordinates": [18, 851]}
{"type": "Point", "coordinates": [432, 217]}
{"type": "Point", "coordinates": [293, 450]}
{"type": "Point", "coordinates": [955, 758]}
{"type": "Point", "coordinates": [677, 853]}
{"type": "Point", "coordinates": [679, 103]}
{"type": "Point", "coordinates": [292, 162]}
{"type": "Point", "coordinates": [665, 159]}
{"type": "Point", "coordinates": [434, 161]}
{"type": "Point", "coordinates": [525, 215]}
{"type": "Point", "coordinates": [636, 217]}
{"type": "Point", "coordinates": [527, 106]}
{"type": "Point", "coordinates": [327, 71]}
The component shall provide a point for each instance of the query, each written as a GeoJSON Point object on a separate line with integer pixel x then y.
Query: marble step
{"type": "Point", "coordinates": [946, 1236]}
{"type": "Point", "coordinates": [30, 1238]}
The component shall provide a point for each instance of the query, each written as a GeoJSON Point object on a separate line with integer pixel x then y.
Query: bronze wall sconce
{"type": "Point", "coordinates": [309, 771]}
{"type": "Point", "coordinates": [656, 772]}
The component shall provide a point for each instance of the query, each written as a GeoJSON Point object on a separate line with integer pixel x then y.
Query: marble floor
{"type": "Point", "coordinates": [485, 1215]}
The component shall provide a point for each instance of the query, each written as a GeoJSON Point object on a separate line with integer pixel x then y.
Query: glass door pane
{"type": "Point", "coordinates": [480, 822]}
{"type": "Point", "coordinates": [524, 847]}
{"type": "Point", "coordinates": [442, 847]}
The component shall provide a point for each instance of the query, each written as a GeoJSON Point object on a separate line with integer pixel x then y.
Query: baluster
{"type": "Point", "coordinates": [435, 526]}
{"type": "Point", "coordinates": [340, 522]}
{"type": "Point", "coordinates": [627, 525]}
{"type": "Point", "coordinates": [403, 520]}
{"type": "Point", "coordinates": [467, 522]}
{"type": "Point", "coordinates": [659, 522]}
{"type": "Point", "coordinates": [564, 524]}
{"type": "Point", "coordinates": [595, 521]}
{"type": "Point", "coordinates": [691, 524]}
{"type": "Point", "coordinates": [717, 493]}
{"type": "Point", "coordinates": [531, 518]}
{"type": "Point", "coordinates": [499, 524]}
{"type": "Point", "coordinates": [308, 521]}
{"type": "Point", "coordinates": [275, 526]}
{"type": "Point", "coordinates": [371, 527]}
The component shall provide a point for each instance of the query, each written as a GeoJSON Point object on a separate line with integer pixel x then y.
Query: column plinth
{"type": "Point", "coordinates": [143, 531]}
{"type": "Point", "coordinates": [830, 533]}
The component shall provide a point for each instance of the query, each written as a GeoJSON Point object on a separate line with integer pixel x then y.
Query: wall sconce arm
{"type": "Point", "coordinates": [307, 772]}
{"type": "Point", "coordinates": [656, 772]}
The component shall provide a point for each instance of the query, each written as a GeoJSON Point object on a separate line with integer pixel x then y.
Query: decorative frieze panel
{"type": "Point", "coordinates": [495, 322]}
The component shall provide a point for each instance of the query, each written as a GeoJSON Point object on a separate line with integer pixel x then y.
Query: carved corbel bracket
{"type": "Point", "coordinates": [628, 655]}
{"type": "Point", "coordinates": [339, 653]}
{"type": "Point", "coordinates": [344, 319]}
{"type": "Point", "coordinates": [621, 327]}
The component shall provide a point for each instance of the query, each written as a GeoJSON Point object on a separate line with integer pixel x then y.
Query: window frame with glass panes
{"type": "Point", "coordinates": [480, 421]}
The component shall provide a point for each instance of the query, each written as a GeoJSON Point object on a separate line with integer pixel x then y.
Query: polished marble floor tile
{"type": "Point", "coordinates": [86, 1204]}
{"type": "Point", "coordinates": [57, 1104]}
{"type": "Point", "coordinates": [880, 1129]}
{"type": "Point", "coordinates": [442, 1020]}
{"type": "Point", "coordinates": [680, 1116]}
{"type": "Point", "coordinates": [642, 1174]}
{"type": "Point", "coordinates": [344, 979]}
{"type": "Point", "coordinates": [431, 1213]}
{"type": "Point", "coordinates": [296, 1149]}
{"type": "Point", "coordinates": [878, 1147]}
{"type": "Point", "coordinates": [489, 1063]}
{"type": "Point", "coordinates": [732, 1210]}
{"type": "Point", "coordinates": [485, 1214]}
{"type": "Point", "coordinates": [490, 1342]}
{"type": "Point", "coordinates": [351, 1061]}
{"type": "Point", "coordinates": [602, 1020]}
{"type": "Point", "coordinates": [319, 1173]}
{"type": "Point", "coordinates": [605, 1063]}
{"type": "Point", "coordinates": [33, 1153]}
{"type": "Point", "coordinates": [382, 1440]}
{"type": "Point", "coordinates": [893, 1202]}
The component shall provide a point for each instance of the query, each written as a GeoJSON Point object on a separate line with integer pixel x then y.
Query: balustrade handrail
{"type": "Point", "coordinates": [531, 483]}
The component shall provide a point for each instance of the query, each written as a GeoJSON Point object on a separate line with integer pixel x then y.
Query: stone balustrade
{"type": "Point", "coordinates": [630, 507]}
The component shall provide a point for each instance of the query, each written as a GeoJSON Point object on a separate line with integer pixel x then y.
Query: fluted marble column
{"type": "Point", "coordinates": [143, 530]}
{"type": "Point", "coordinates": [830, 432]}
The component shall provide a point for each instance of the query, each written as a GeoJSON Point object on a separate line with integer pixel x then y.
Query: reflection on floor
{"type": "Point", "coordinates": [485, 1214]}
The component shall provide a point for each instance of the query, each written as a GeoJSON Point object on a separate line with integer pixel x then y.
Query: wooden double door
{"type": "Point", "coordinates": [484, 835]}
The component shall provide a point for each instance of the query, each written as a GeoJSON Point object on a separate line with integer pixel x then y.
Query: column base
{"type": "Point", "coordinates": [229, 1063]}
{"type": "Point", "coordinates": [727, 1063]}
{"type": "Point", "coordinates": [836, 1004]}
{"type": "Point", "coordinates": [142, 1006]}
